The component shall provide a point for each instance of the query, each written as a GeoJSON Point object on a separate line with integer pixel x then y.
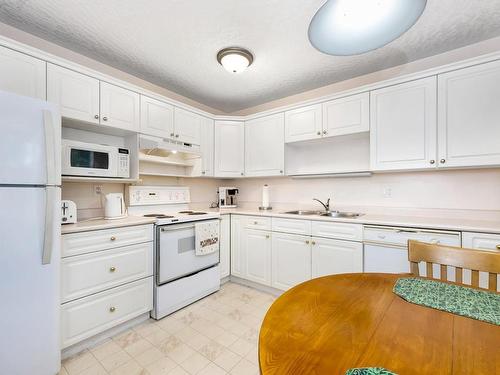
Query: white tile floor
{"type": "Point", "coordinates": [215, 336]}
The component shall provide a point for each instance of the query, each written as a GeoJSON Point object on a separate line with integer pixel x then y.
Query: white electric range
{"type": "Point", "coordinates": [181, 276]}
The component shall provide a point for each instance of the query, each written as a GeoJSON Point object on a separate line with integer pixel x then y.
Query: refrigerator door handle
{"type": "Point", "coordinates": [48, 239]}
{"type": "Point", "coordinates": [50, 155]}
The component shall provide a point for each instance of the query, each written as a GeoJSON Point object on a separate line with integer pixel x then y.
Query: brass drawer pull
{"type": "Point", "coordinates": [113, 238]}
{"type": "Point", "coordinates": [498, 247]}
{"type": "Point", "coordinates": [112, 309]}
{"type": "Point", "coordinates": [112, 269]}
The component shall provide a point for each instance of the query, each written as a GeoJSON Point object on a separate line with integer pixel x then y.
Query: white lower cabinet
{"type": "Point", "coordinates": [106, 279]}
{"type": "Point", "coordinates": [91, 315]}
{"type": "Point", "coordinates": [225, 246]}
{"type": "Point", "coordinates": [331, 257]}
{"type": "Point", "coordinates": [283, 259]}
{"type": "Point", "coordinates": [291, 260]}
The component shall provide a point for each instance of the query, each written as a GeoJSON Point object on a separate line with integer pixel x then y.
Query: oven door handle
{"type": "Point", "coordinates": [174, 228]}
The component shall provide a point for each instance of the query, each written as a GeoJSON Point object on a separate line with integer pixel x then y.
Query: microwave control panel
{"type": "Point", "coordinates": [123, 163]}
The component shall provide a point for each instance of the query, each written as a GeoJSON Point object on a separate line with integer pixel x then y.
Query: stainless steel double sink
{"type": "Point", "coordinates": [339, 214]}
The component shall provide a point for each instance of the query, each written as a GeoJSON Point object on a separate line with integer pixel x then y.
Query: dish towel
{"type": "Point", "coordinates": [456, 299]}
{"type": "Point", "coordinates": [369, 371]}
{"type": "Point", "coordinates": [207, 237]}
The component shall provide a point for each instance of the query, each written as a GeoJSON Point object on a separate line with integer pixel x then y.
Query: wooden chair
{"type": "Point", "coordinates": [460, 258]}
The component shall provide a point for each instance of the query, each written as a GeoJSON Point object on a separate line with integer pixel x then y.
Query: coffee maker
{"type": "Point", "coordinates": [227, 197]}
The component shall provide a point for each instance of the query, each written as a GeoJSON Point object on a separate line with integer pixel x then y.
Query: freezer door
{"type": "Point", "coordinates": [30, 145]}
{"type": "Point", "coordinates": [29, 290]}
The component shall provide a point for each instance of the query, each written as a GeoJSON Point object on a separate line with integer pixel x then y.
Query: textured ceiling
{"type": "Point", "coordinates": [173, 43]}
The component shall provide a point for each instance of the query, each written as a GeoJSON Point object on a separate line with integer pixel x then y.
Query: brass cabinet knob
{"type": "Point", "coordinates": [319, 133]}
{"type": "Point", "coordinates": [498, 247]}
{"type": "Point", "coordinates": [313, 242]}
{"type": "Point", "coordinates": [172, 134]}
{"type": "Point", "coordinates": [96, 117]}
{"type": "Point", "coordinates": [105, 118]}
{"type": "Point", "coordinates": [112, 309]}
{"type": "Point", "coordinates": [267, 236]}
{"type": "Point", "coordinates": [432, 161]}
{"type": "Point", "coordinates": [177, 136]}
{"type": "Point", "coordinates": [281, 171]}
{"type": "Point", "coordinates": [203, 172]}
{"type": "Point", "coordinates": [442, 161]}
{"type": "Point", "coordinates": [242, 173]}
{"type": "Point", "coordinates": [307, 242]}
{"type": "Point", "coordinates": [324, 131]}
{"type": "Point", "coordinates": [113, 238]}
{"type": "Point", "coordinates": [255, 222]}
{"type": "Point", "coordinates": [112, 269]}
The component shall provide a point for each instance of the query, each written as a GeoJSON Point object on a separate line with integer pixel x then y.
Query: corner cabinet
{"type": "Point", "coordinates": [157, 118]}
{"type": "Point", "coordinates": [403, 126]}
{"type": "Point", "coordinates": [265, 146]}
{"type": "Point", "coordinates": [469, 116]}
{"type": "Point", "coordinates": [229, 149]}
{"type": "Point", "coordinates": [22, 74]}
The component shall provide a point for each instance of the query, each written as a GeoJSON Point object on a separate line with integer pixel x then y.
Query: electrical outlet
{"type": "Point", "coordinates": [387, 192]}
{"type": "Point", "coordinates": [98, 189]}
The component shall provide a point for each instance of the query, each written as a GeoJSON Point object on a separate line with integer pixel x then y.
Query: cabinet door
{"type": "Point", "coordinates": [346, 115]}
{"type": "Point", "coordinates": [303, 123]}
{"type": "Point", "coordinates": [403, 126]}
{"type": "Point", "coordinates": [76, 94]}
{"type": "Point", "coordinates": [229, 149]}
{"type": "Point", "coordinates": [119, 107]}
{"type": "Point", "coordinates": [225, 246]}
{"type": "Point", "coordinates": [469, 116]}
{"type": "Point", "coordinates": [187, 126]}
{"type": "Point", "coordinates": [257, 256]}
{"type": "Point", "coordinates": [237, 246]}
{"type": "Point", "coordinates": [265, 146]}
{"type": "Point", "coordinates": [157, 118]}
{"type": "Point", "coordinates": [291, 260]}
{"type": "Point", "coordinates": [330, 257]}
{"type": "Point", "coordinates": [207, 147]}
{"type": "Point", "coordinates": [22, 74]}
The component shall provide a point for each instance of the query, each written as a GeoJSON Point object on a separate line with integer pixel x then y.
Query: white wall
{"type": "Point", "coordinates": [477, 189]}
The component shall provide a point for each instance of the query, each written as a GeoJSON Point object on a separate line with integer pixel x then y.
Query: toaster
{"type": "Point", "coordinates": [68, 212]}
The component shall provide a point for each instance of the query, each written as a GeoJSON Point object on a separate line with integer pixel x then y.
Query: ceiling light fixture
{"type": "Point", "coordinates": [352, 27]}
{"type": "Point", "coordinates": [235, 59]}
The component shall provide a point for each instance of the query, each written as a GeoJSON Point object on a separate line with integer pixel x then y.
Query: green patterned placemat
{"type": "Point", "coordinates": [457, 299]}
{"type": "Point", "coordinates": [369, 371]}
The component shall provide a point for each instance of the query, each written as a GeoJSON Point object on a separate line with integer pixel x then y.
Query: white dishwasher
{"type": "Point", "coordinates": [385, 249]}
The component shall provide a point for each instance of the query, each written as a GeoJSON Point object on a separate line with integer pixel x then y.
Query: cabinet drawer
{"type": "Point", "coordinates": [291, 226]}
{"type": "Point", "coordinates": [257, 222]}
{"type": "Point", "coordinates": [342, 231]}
{"type": "Point", "coordinates": [91, 315]}
{"type": "Point", "coordinates": [483, 241]}
{"type": "Point", "coordinates": [87, 274]}
{"type": "Point", "coordinates": [88, 242]}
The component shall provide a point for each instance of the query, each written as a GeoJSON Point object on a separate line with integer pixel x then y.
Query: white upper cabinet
{"type": "Point", "coordinates": [469, 116]}
{"type": "Point", "coordinates": [403, 126]}
{"type": "Point", "coordinates": [207, 147]}
{"type": "Point", "coordinates": [22, 74]}
{"type": "Point", "coordinates": [291, 260]}
{"type": "Point", "coordinates": [330, 257]}
{"type": "Point", "coordinates": [264, 146]}
{"type": "Point", "coordinates": [76, 94]}
{"type": "Point", "coordinates": [229, 149]}
{"type": "Point", "coordinates": [157, 118]}
{"type": "Point", "coordinates": [119, 107]}
{"type": "Point", "coordinates": [303, 123]}
{"type": "Point", "coordinates": [347, 115]}
{"type": "Point", "coordinates": [187, 126]}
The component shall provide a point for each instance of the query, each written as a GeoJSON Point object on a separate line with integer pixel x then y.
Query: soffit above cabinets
{"type": "Point", "coordinates": [134, 36]}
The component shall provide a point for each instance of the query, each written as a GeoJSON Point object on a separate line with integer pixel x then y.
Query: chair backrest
{"type": "Point", "coordinates": [460, 258]}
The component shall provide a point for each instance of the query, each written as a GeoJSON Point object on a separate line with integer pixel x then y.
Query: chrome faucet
{"type": "Point", "coordinates": [326, 205]}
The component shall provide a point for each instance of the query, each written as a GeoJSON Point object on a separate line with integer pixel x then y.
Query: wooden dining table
{"type": "Point", "coordinates": [328, 325]}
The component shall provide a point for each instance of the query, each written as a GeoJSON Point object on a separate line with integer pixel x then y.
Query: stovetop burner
{"type": "Point", "coordinates": [159, 216]}
{"type": "Point", "coordinates": [197, 213]}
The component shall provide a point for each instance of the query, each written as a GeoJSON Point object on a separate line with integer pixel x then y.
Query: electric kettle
{"type": "Point", "coordinates": [114, 206]}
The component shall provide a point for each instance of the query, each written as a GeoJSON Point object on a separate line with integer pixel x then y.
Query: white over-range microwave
{"type": "Point", "coordinates": [94, 160]}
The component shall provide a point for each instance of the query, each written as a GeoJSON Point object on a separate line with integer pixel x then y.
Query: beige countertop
{"type": "Point", "coordinates": [96, 224]}
{"type": "Point", "coordinates": [398, 220]}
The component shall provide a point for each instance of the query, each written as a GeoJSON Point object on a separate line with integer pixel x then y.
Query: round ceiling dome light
{"type": "Point", "coordinates": [235, 59]}
{"type": "Point", "coordinates": [352, 27]}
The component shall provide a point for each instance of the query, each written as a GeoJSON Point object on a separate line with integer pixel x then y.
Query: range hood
{"type": "Point", "coordinates": [149, 145]}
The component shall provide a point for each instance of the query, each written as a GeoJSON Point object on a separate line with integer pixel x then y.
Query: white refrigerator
{"type": "Point", "coordinates": [30, 195]}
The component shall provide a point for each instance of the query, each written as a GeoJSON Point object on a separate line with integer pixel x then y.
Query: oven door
{"type": "Point", "coordinates": [98, 161]}
{"type": "Point", "coordinates": [175, 253]}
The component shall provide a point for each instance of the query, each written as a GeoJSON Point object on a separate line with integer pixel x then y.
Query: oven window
{"type": "Point", "coordinates": [89, 159]}
{"type": "Point", "coordinates": [186, 244]}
